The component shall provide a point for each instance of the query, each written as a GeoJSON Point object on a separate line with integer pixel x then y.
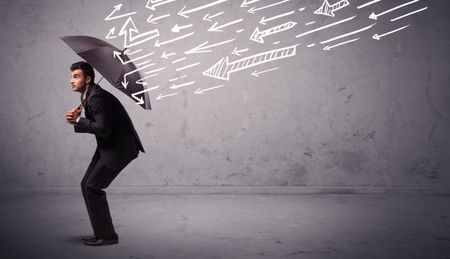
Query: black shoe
{"type": "Point", "coordinates": [88, 238]}
{"type": "Point", "coordinates": [102, 241]}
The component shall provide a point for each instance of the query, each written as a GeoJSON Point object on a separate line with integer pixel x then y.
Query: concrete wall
{"type": "Point", "coordinates": [367, 113]}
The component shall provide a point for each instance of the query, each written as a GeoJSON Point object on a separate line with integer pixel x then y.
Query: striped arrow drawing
{"type": "Point", "coordinates": [327, 9]}
{"type": "Point", "coordinates": [223, 68]}
{"type": "Point", "coordinates": [259, 35]}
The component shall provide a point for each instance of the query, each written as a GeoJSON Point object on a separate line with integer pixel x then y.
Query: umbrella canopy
{"type": "Point", "coordinates": [113, 65]}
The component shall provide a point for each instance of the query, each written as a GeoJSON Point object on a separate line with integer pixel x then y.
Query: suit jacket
{"type": "Point", "coordinates": [117, 141]}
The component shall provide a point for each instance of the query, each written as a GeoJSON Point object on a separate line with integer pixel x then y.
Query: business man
{"type": "Point", "coordinates": [117, 145]}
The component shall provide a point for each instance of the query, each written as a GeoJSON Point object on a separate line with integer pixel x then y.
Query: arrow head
{"type": "Point", "coordinates": [198, 91]}
{"type": "Point", "coordinates": [159, 97]}
{"type": "Point", "coordinates": [252, 10]}
{"type": "Point", "coordinates": [219, 70]}
{"type": "Point", "coordinates": [181, 13]}
{"type": "Point", "coordinates": [373, 16]}
{"type": "Point", "coordinates": [125, 83]}
{"type": "Point", "coordinates": [117, 7]}
{"type": "Point", "coordinates": [376, 37]}
{"type": "Point", "coordinates": [327, 47]}
{"type": "Point", "coordinates": [255, 73]}
{"type": "Point", "coordinates": [157, 44]}
{"type": "Point", "coordinates": [175, 28]}
{"type": "Point", "coordinates": [257, 36]}
{"type": "Point", "coordinates": [213, 28]}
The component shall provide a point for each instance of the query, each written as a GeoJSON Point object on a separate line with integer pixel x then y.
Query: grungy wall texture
{"type": "Point", "coordinates": [362, 112]}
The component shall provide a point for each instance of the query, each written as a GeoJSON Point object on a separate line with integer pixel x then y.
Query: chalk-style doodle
{"type": "Point", "coordinates": [110, 34]}
{"type": "Point", "coordinates": [258, 35]}
{"type": "Point", "coordinates": [152, 74]}
{"type": "Point", "coordinates": [309, 23]}
{"type": "Point", "coordinates": [173, 79]}
{"type": "Point", "coordinates": [367, 4]}
{"type": "Point", "coordinates": [159, 44]}
{"type": "Point", "coordinates": [203, 48]}
{"type": "Point", "coordinates": [379, 36]}
{"type": "Point", "coordinates": [178, 28]}
{"type": "Point", "coordinates": [188, 66]}
{"type": "Point", "coordinates": [208, 17]}
{"type": "Point", "coordinates": [375, 16]}
{"type": "Point", "coordinates": [129, 52]}
{"type": "Point", "coordinates": [184, 13]}
{"type": "Point", "coordinates": [237, 51]}
{"type": "Point", "coordinates": [256, 73]}
{"type": "Point", "coordinates": [265, 20]}
{"type": "Point", "coordinates": [223, 68]}
{"type": "Point", "coordinates": [201, 91]}
{"type": "Point", "coordinates": [347, 34]}
{"type": "Point", "coordinates": [219, 28]}
{"type": "Point", "coordinates": [275, 43]}
{"type": "Point", "coordinates": [152, 4]}
{"type": "Point", "coordinates": [328, 47]}
{"type": "Point", "coordinates": [178, 60]}
{"type": "Point", "coordinates": [408, 14]}
{"type": "Point", "coordinates": [245, 3]}
{"type": "Point", "coordinates": [240, 30]}
{"type": "Point", "coordinates": [160, 96]}
{"type": "Point", "coordinates": [311, 45]}
{"type": "Point", "coordinates": [117, 9]}
{"type": "Point", "coordinates": [302, 9]}
{"type": "Point", "coordinates": [325, 26]}
{"type": "Point", "coordinates": [253, 10]}
{"type": "Point", "coordinates": [140, 100]}
{"type": "Point", "coordinates": [129, 40]}
{"type": "Point", "coordinates": [328, 9]}
{"type": "Point", "coordinates": [175, 86]}
{"type": "Point", "coordinates": [167, 55]}
{"type": "Point", "coordinates": [150, 19]}
{"type": "Point", "coordinates": [117, 54]}
{"type": "Point", "coordinates": [125, 81]}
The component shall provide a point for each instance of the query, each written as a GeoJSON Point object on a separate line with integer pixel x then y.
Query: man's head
{"type": "Point", "coordinates": [82, 76]}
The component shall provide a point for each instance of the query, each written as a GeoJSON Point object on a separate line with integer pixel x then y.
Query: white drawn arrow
{"type": "Point", "coordinates": [160, 96]}
{"type": "Point", "coordinates": [379, 36]}
{"type": "Point", "coordinates": [130, 40]}
{"type": "Point", "coordinates": [327, 9]}
{"type": "Point", "coordinates": [140, 100]}
{"type": "Point", "coordinates": [116, 9]}
{"type": "Point", "coordinates": [238, 52]}
{"type": "Point", "coordinates": [150, 19]}
{"type": "Point", "coordinates": [200, 91]}
{"type": "Point", "coordinates": [167, 55]}
{"type": "Point", "coordinates": [125, 82]}
{"type": "Point", "coordinates": [264, 20]}
{"type": "Point", "coordinates": [375, 16]}
{"type": "Point", "coordinates": [367, 4]}
{"type": "Point", "coordinates": [347, 34]}
{"type": "Point", "coordinates": [129, 52]}
{"type": "Point", "coordinates": [245, 3]}
{"type": "Point", "coordinates": [325, 26]}
{"type": "Point", "coordinates": [408, 14]}
{"type": "Point", "coordinates": [208, 17]}
{"type": "Point", "coordinates": [177, 28]}
{"type": "Point", "coordinates": [223, 68]}
{"type": "Point", "coordinates": [111, 33]}
{"type": "Point", "coordinates": [117, 54]}
{"type": "Point", "coordinates": [253, 10]}
{"type": "Point", "coordinates": [256, 73]}
{"type": "Point", "coordinates": [175, 86]}
{"type": "Point", "coordinates": [258, 36]}
{"type": "Point", "coordinates": [203, 48]}
{"type": "Point", "coordinates": [141, 81]}
{"type": "Point", "coordinates": [159, 44]}
{"type": "Point", "coordinates": [184, 13]}
{"type": "Point", "coordinates": [216, 28]}
{"type": "Point", "coordinates": [328, 47]}
{"type": "Point", "coordinates": [152, 4]}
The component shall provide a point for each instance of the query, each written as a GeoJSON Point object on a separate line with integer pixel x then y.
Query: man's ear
{"type": "Point", "coordinates": [88, 80]}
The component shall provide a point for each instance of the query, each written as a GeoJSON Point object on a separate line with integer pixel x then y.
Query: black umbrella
{"type": "Point", "coordinates": [113, 65]}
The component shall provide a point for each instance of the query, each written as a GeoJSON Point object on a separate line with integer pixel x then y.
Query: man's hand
{"type": "Point", "coordinates": [73, 115]}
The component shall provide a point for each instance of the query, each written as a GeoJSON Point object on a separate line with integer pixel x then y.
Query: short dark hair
{"type": "Point", "coordinates": [86, 68]}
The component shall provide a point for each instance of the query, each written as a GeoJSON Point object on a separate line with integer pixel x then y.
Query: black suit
{"type": "Point", "coordinates": [117, 145]}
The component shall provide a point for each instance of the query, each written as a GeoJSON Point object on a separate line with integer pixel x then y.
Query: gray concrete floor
{"type": "Point", "coordinates": [231, 226]}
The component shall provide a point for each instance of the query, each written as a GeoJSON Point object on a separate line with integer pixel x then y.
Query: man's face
{"type": "Point", "coordinates": [79, 81]}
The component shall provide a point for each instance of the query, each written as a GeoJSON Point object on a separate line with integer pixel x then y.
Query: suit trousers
{"type": "Point", "coordinates": [98, 177]}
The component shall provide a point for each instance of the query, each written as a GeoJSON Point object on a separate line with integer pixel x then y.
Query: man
{"type": "Point", "coordinates": [117, 145]}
